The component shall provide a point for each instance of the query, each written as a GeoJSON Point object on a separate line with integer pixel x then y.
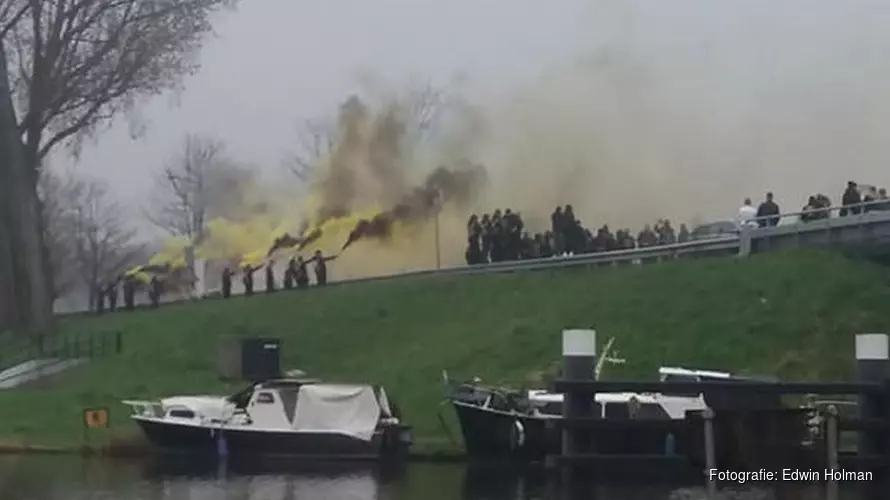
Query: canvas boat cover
{"type": "Point", "coordinates": [346, 409]}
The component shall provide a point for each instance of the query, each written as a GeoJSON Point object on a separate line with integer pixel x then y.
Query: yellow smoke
{"type": "Point", "coordinates": [172, 253]}
{"type": "Point", "coordinates": [363, 175]}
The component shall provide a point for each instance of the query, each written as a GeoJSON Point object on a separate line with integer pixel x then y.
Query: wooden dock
{"type": "Point", "coordinates": [729, 436]}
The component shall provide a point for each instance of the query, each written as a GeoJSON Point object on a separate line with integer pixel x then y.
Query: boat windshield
{"type": "Point", "coordinates": [241, 398]}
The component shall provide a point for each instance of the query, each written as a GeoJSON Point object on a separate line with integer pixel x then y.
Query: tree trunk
{"type": "Point", "coordinates": [33, 301]}
{"type": "Point", "coordinates": [9, 318]}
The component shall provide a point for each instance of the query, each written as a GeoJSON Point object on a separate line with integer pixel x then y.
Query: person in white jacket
{"type": "Point", "coordinates": [747, 215]}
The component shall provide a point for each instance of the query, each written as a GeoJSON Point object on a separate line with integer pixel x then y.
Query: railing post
{"type": "Point", "coordinates": [118, 342]}
{"type": "Point", "coordinates": [744, 241]}
{"type": "Point", "coordinates": [872, 366]}
{"type": "Point", "coordinates": [578, 363]}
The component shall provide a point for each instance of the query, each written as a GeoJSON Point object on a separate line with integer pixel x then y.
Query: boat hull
{"type": "Point", "coordinates": [174, 437]}
{"type": "Point", "coordinates": [492, 434]}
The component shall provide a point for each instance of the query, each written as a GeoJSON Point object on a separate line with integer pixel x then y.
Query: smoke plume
{"type": "Point", "coordinates": [683, 109]}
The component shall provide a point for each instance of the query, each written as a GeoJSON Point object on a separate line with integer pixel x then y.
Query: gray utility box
{"type": "Point", "coordinates": [249, 358]}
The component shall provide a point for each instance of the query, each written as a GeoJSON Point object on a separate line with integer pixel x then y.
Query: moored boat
{"type": "Point", "coordinates": [498, 422]}
{"type": "Point", "coordinates": [279, 417]}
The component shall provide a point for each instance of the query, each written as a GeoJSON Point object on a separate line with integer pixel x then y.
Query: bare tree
{"type": "Point", "coordinates": [101, 238]}
{"type": "Point", "coordinates": [58, 194]}
{"type": "Point", "coordinates": [315, 140]}
{"type": "Point", "coordinates": [180, 202]}
{"type": "Point", "coordinates": [196, 184]}
{"type": "Point", "coordinates": [73, 65]}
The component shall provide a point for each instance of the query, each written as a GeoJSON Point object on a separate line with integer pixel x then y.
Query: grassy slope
{"type": "Point", "coordinates": [789, 314]}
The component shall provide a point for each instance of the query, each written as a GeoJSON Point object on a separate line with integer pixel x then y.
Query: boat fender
{"type": "Point", "coordinates": [517, 435]}
{"type": "Point", "coordinates": [222, 445]}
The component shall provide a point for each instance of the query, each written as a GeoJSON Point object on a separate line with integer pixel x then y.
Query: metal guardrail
{"type": "Point", "coordinates": [718, 245]}
{"type": "Point", "coordinates": [61, 345]}
{"type": "Point", "coordinates": [722, 245]}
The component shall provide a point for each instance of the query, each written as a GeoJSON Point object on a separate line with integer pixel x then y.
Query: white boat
{"type": "Point", "coordinates": [280, 417]}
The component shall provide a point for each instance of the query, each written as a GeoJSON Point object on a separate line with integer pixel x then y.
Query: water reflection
{"type": "Point", "coordinates": [66, 478]}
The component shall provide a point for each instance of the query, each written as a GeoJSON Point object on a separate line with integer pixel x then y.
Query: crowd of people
{"type": "Point", "coordinates": [856, 199]}
{"type": "Point", "coordinates": [296, 276]}
{"type": "Point", "coordinates": [498, 237]}
{"type": "Point", "coordinates": [501, 236]}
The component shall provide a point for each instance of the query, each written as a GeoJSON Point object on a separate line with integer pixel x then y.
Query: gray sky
{"type": "Point", "coordinates": [689, 104]}
{"type": "Point", "coordinates": [277, 61]}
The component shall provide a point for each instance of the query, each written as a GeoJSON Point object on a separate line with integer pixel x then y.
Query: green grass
{"type": "Point", "coordinates": [790, 314]}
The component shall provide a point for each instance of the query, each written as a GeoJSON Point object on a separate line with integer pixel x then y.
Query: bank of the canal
{"type": "Point", "coordinates": [791, 314]}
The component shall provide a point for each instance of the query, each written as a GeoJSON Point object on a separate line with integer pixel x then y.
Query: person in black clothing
{"type": "Point", "coordinates": [514, 228]}
{"type": "Point", "coordinates": [557, 227]}
{"type": "Point", "coordinates": [768, 212]}
{"type": "Point", "coordinates": [289, 274]}
{"type": "Point", "coordinates": [474, 235]}
{"type": "Point", "coordinates": [547, 244]}
{"type": "Point", "coordinates": [683, 236]}
{"type": "Point", "coordinates": [665, 232]}
{"type": "Point", "coordinates": [486, 237]}
{"type": "Point", "coordinates": [301, 275]}
{"type": "Point", "coordinates": [227, 283]}
{"type": "Point", "coordinates": [647, 237]}
{"type": "Point", "coordinates": [851, 200]}
{"type": "Point", "coordinates": [571, 232]}
{"type": "Point", "coordinates": [129, 293]}
{"type": "Point", "coordinates": [270, 278]}
{"type": "Point", "coordinates": [247, 279]}
{"type": "Point", "coordinates": [154, 292]}
{"type": "Point", "coordinates": [496, 235]}
{"type": "Point", "coordinates": [321, 267]}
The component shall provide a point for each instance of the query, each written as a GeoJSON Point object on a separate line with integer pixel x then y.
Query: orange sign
{"type": "Point", "coordinates": [95, 418]}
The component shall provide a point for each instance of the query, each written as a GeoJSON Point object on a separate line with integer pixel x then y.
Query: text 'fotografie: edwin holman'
{"type": "Point", "coordinates": [763, 475]}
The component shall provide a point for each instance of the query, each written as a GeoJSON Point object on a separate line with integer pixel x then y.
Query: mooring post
{"type": "Point", "coordinates": [578, 364]}
{"type": "Point", "coordinates": [831, 445]}
{"type": "Point", "coordinates": [710, 452]}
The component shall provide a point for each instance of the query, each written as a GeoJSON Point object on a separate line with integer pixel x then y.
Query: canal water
{"type": "Point", "coordinates": [69, 478]}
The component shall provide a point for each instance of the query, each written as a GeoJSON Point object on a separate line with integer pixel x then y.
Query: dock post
{"type": "Point", "coordinates": [831, 445]}
{"type": "Point", "coordinates": [578, 364]}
